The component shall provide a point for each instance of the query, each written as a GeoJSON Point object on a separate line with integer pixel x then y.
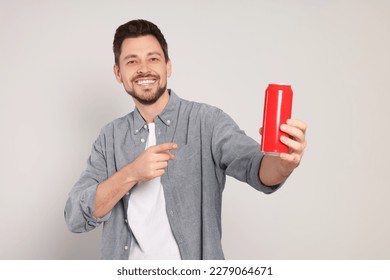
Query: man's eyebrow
{"type": "Point", "coordinates": [129, 56]}
{"type": "Point", "coordinates": [135, 56]}
{"type": "Point", "coordinates": [154, 53]}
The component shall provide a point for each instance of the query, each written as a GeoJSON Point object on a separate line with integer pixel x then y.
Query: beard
{"type": "Point", "coordinates": [149, 97]}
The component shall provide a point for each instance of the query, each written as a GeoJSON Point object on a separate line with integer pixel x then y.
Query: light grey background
{"type": "Point", "coordinates": [58, 90]}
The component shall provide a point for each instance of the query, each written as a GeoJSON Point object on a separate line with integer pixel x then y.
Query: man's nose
{"type": "Point", "coordinates": [143, 68]}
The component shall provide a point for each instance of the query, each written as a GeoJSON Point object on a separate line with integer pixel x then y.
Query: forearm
{"type": "Point", "coordinates": [110, 191]}
{"type": "Point", "coordinates": [271, 172]}
{"type": "Point", "coordinates": [147, 166]}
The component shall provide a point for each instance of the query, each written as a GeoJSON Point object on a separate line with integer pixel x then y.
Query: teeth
{"type": "Point", "coordinates": [145, 82]}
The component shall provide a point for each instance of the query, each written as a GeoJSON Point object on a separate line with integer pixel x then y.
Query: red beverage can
{"type": "Point", "coordinates": [277, 110]}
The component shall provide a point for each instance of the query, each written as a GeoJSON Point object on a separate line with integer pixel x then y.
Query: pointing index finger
{"type": "Point", "coordinates": [165, 147]}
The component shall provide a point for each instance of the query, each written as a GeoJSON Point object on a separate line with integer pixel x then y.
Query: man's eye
{"type": "Point", "coordinates": [154, 59]}
{"type": "Point", "coordinates": [131, 62]}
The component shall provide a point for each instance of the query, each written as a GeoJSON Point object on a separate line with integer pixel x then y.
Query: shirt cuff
{"type": "Point", "coordinates": [87, 203]}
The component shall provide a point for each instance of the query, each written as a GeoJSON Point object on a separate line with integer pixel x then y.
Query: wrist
{"type": "Point", "coordinates": [283, 170]}
{"type": "Point", "coordinates": [130, 175]}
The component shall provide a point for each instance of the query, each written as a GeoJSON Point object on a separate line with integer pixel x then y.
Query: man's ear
{"type": "Point", "coordinates": [169, 68]}
{"type": "Point", "coordinates": [117, 73]}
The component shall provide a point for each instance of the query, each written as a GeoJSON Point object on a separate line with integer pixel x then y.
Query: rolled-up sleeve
{"type": "Point", "coordinates": [80, 205]}
{"type": "Point", "coordinates": [236, 153]}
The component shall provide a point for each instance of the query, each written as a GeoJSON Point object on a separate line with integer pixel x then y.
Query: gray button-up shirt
{"type": "Point", "coordinates": [211, 146]}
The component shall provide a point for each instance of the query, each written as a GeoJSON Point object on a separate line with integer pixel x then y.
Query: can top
{"type": "Point", "coordinates": [279, 84]}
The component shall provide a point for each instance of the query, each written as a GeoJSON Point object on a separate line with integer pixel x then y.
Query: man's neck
{"type": "Point", "coordinates": [150, 112]}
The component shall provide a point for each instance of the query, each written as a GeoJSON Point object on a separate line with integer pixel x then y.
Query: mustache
{"type": "Point", "coordinates": [148, 76]}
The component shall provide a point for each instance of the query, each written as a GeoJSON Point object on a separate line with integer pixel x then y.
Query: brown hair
{"type": "Point", "coordinates": [134, 29]}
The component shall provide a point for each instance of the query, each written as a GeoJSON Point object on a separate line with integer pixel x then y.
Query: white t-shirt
{"type": "Point", "coordinates": [148, 219]}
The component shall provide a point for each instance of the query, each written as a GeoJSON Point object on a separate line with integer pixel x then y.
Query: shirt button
{"type": "Point", "coordinates": [136, 131]}
{"type": "Point", "coordinates": [142, 140]}
{"type": "Point", "coordinates": [126, 247]}
{"type": "Point", "coordinates": [168, 122]}
{"type": "Point", "coordinates": [126, 221]}
{"type": "Point", "coordinates": [171, 213]}
{"type": "Point", "coordinates": [127, 193]}
{"type": "Point", "coordinates": [145, 126]}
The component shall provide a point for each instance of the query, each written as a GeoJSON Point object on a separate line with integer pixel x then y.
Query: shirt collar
{"type": "Point", "coordinates": [139, 121]}
{"type": "Point", "coordinates": [168, 116]}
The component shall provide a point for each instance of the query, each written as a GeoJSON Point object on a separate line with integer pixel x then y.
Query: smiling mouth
{"type": "Point", "coordinates": [145, 82]}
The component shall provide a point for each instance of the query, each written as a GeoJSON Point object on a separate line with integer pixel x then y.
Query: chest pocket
{"type": "Point", "coordinates": [187, 164]}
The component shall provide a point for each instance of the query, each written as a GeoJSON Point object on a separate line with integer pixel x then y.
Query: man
{"type": "Point", "coordinates": [155, 176]}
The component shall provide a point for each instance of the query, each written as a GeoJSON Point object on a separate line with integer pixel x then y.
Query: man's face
{"type": "Point", "coordinates": [142, 69]}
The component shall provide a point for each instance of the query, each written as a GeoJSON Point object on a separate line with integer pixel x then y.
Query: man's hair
{"type": "Point", "coordinates": [134, 29]}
